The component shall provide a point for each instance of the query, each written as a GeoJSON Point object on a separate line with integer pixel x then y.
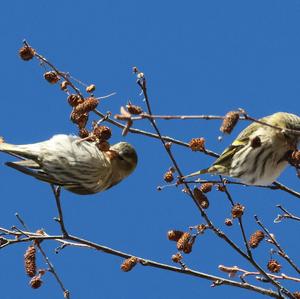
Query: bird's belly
{"type": "Point", "coordinates": [79, 176]}
{"type": "Point", "coordinates": [259, 166]}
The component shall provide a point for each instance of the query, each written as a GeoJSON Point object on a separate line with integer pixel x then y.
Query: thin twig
{"type": "Point", "coordinates": [46, 259]}
{"type": "Point", "coordinates": [149, 134]}
{"type": "Point", "coordinates": [62, 74]}
{"type": "Point", "coordinates": [145, 262]}
{"type": "Point", "coordinates": [274, 241]}
{"type": "Point", "coordinates": [233, 270]}
{"type": "Point", "coordinates": [142, 83]}
{"type": "Point", "coordinates": [239, 219]}
{"type": "Point", "coordinates": [287, 214]}
{"type": "Point", "coordinates": [282, 187]}
{"type": "Point", "coordinates": [211, 117]}
{"type": "Point", "coordinates": [60, 219]}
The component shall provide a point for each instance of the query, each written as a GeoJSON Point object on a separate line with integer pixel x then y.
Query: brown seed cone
{"type": "Point", "coordinates": [91, 88]}
{"type": "Point", "coordinates": [206, 187]}
{"type": "Point", "coordinates": [176, 258]}
{"type": "Point", "coordinates": [30, 261]}
{"type": "Point", "coordinates": [228, 222]}
{"type": "Point", "coordinates": [102, 132]}
{"type": "Point", "coordinates": [229, 122]}
{"type": "Point", "coordinates": [296, 295]}
{"type": "Point", "coordinates": [197, 144]}
{"type": "Point", "coordinates": [133, 109]}
{"type": "Point", "coordinates": [51, 77]}
{"type": "Point", "coordinates": [64, 85]}
{"type": "Point", "coordinates": [129, 263]}
{"type": "Point", "coordinates": [188, 247]}
{"type": "Point", "coordinates": [83, 133]}
{"type": "Point", "coordinates": [26, 53]}
{"type": "Point", "coordinates": [237, 210]}
{"type": "Point", "coordinates": [74, 99]}
{"type": "Point", "coordinates": [201, 198]}
{"type": "Point", "coordinates": [255, 142]}
{"type": "Point", "coordinates": [294, 158]}
{"type": "Point", "coordinates": [103, 145]}
{"type": "Point", "coordinates": [36, 282]}
{"type": "Point", "coordinates": [174, 235]}
{"type": "Point", "coordinates": [274, 266]}
{"type": "Point", "coordinates": [79, 119]}
{"type": "Point", "coordinates": [256, 238]}
{"type": "Point", "coordinates": [201, 228]}
{"type": "Point", "coordinates": [183, 241]}
{"type": "Point", "coordinates": [88, 105]}
{"type": "Point", "coordinates": [168, 176]}
{"type": "Point", "coordinates": [221, 188]}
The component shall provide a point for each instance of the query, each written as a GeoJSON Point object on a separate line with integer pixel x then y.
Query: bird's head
{"type": "Point", "coordinates": [124, 159]}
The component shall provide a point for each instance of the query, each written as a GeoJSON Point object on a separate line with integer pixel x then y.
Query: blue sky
{"type": "Point", "coordinates": [200, 57]}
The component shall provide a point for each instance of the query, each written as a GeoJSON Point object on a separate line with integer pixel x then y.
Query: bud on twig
{"type": "Point", "coordinates": [174, 235]}
{"type": "Point", "coordinates": [206, 187]}
{"type": "Point", "coordinates": [129, 263]}
{"type": "Point", "coordinates": [228, 222]}
{"type": "Point", "coordinates": [237, 210]}
{"type": "Point", "coordinates": [183, 241]}
{"type": "Point", "coordinates": [102, 132]}
{"type": "Point", "coordinates": [51, 77]}
{"type": "Point", "coordinates": [176, 258]}
{"type": "Point", "coordinates": [36, 281]}
{"type": "Point", "coordinates": [74, 99]}
{"type": "Point", "coordinates": [91, 88]}
{"type": "Point", "coordinates": [133, 109]}
{"type": "Point", "coordinates": [274, 266]}
{"type": "Point", "coordinates": [197, 144]}
{"type": "Point", "coordinates": [168, 176]}
{"type": "Point", "coordinates": [26, 53]}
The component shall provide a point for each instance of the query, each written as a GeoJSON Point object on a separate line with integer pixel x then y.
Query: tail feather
{"type": "Point", "coordinates": [202, 171]}
{"type": "Point", "coordinates": [40, 175]}
{"type": "Point", "coordinates": [27, 163]}
{"type": "Point", "coordinates": [17, 151]}
{"type": "Point", "coordinates": [215, 169]}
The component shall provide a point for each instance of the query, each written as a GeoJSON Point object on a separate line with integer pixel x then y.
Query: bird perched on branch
{"type": "Point", "coordinates": [260, 153]}
{"type": "Point", "coordinates": [77, 165]}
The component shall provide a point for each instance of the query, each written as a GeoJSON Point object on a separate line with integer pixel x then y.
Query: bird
{"type": "Point", "coordinates": [259, 153]}
{"type": "Point", "coordinates": [74, 164]}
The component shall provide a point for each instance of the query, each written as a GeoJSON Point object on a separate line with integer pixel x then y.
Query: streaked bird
{"type": "Point", "coordinates": [77, 165]}
{"type": "Point", "coordinates": [259, 154]}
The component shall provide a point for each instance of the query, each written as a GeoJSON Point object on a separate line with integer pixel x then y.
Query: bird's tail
{"type": "Point", "coordinates": [202, 171]}
{"type": "Point", "coordinates": [215, 169]}
{"type": "Point", "coordinates": [15, 150]}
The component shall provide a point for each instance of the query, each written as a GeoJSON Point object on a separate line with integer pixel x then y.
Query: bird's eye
{"type": "Point", "coordinates": [120, 158]}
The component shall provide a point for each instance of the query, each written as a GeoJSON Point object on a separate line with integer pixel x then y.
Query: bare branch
{"type": "Point", "coordinates": [274, 241]}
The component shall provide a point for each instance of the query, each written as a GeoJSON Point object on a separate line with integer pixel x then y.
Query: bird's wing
{"type": "Point", "coordinates": [225, 158]}
{"type": "Point", "coordinates": [19, 151]}
{"type": "Point", "coordinates": [26, 167]}
{"type": "Point", "coordinates": [27, 163]}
